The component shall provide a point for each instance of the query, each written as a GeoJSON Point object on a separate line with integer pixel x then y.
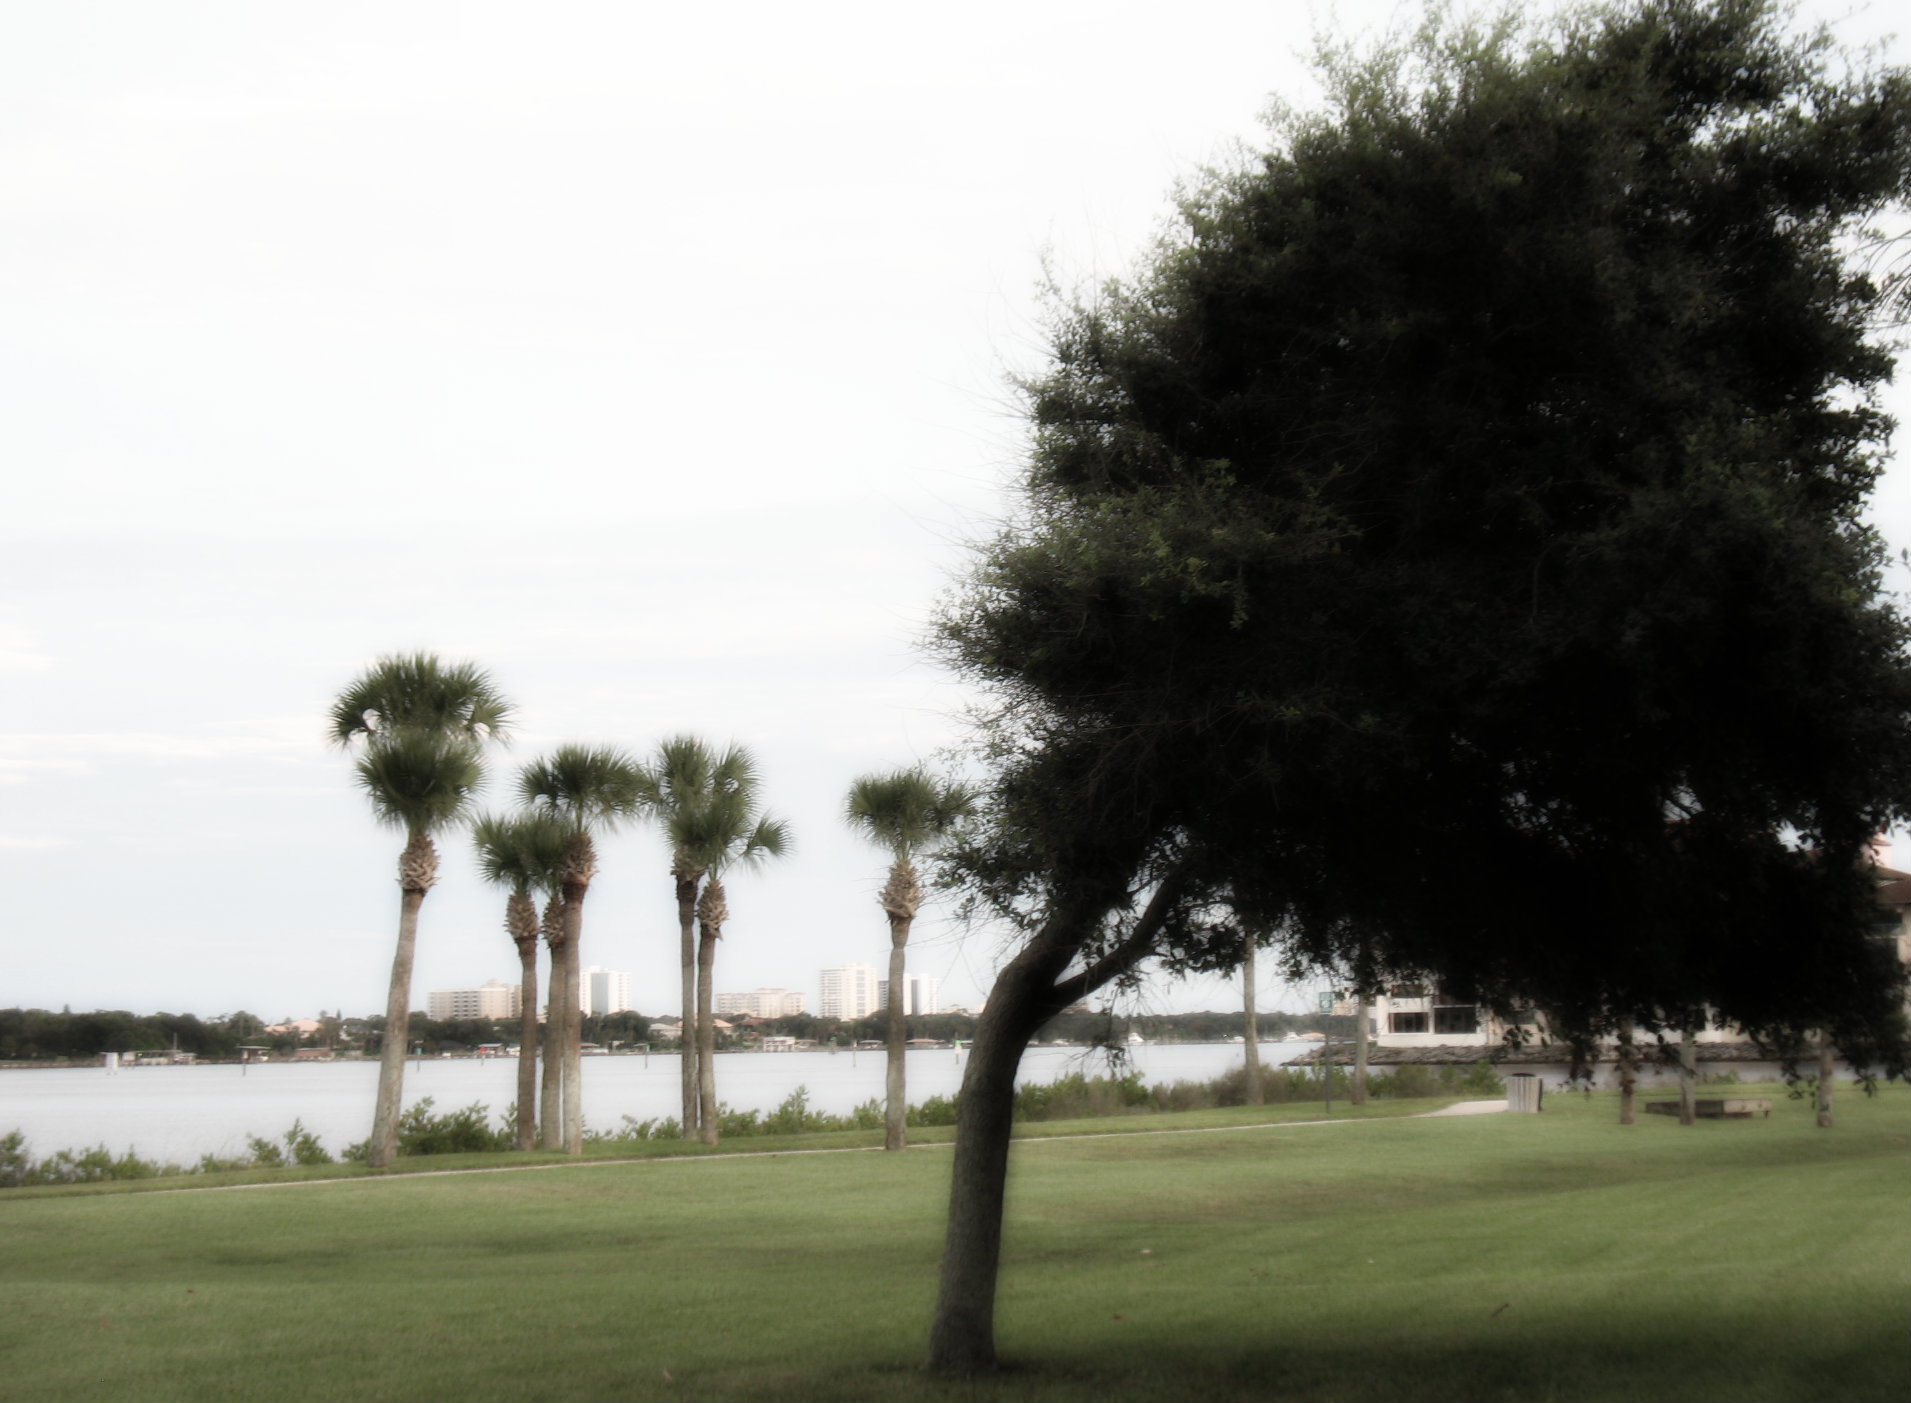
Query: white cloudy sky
{"type": "Point", "coordinates": [651, 356]}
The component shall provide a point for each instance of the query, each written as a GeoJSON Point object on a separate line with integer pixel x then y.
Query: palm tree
{"type": "Point", "coordinates": [689, 789]}
{"type": "Point", "coordinates": [907, 812]}
{"type": "Point", "coordinates": [418, 725]}
{"type": "Point", "coordinates": [746, 840]}
{"type": "Point", "coordinates": [523, 852]}
{"type": "Point", "coordinates": [586, 789]}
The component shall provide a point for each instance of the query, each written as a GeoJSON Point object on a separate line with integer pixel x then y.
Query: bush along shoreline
{"type": "Point", "coordinates": [469, 1130]}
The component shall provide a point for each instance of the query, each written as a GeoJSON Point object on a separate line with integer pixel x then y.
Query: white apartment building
{"type": "Point", "coordinates": [763, 1003]}
{"type": "Point", "coordinates": [493, 999]}
{"type": "Point", "coordinates": [920, 994]}
{"type": "Point", "coordinates": [848, 991]}
{"type": "Point", "coordinates": [601, 991]}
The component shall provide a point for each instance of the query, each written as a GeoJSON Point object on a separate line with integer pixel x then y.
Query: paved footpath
{"type": "Point", "coordinates": [1459, 1108]}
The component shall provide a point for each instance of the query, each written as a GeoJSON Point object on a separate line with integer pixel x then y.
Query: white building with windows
{"type": "Point", "coordinates": [921, 994]}
{"type": "Point", "coordinates": [493, 999]}
{"type": "Point", "coordinates": [848, 991]}
{"type": "Point", "coordinates": [601, 991]}
{"type": "Point", "coordinates": [763, 1003]}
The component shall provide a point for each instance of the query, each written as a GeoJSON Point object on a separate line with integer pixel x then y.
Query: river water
{"type": "Point", "coordinates": [180, 1113]}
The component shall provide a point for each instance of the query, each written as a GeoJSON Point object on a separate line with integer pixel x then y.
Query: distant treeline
{"type": "Point", "coordinates": [36, 1035]}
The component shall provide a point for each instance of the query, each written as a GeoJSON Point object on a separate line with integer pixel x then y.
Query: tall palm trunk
{"type": "Point", "coordinates": [1827, 1068]}
{"type": "Point", "coordinates": [901, 899]}
{"type": "Point", "coordinates": [1361, 1037]}
{"type": "Point", "coordinates": [1251, 1026]}
{"type": "Point", "coordinates": [417, 872]}
{"type": "Point", "coordinates": [1628, 1075]}
{"type": "Point", "coordinates": [687, 1043]}
{"type": "Point", "coordinates": [712, 912]}
{"type": "Point", "coordinates": [551, 1099]}
{"type": "Point", "coordinates": [522, 920]}
{"type": "Point", "coordinates": [573, 1024]}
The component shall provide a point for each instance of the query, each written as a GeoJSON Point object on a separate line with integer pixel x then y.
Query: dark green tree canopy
{"type": "Point", "coordinates": [1449, 549]}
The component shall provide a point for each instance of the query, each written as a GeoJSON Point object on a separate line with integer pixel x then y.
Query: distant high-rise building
{"type": "Point", "coordinates": [762, 1003]}
{"type": "Point", "coordinates": [493, 999]}
{"type": "Point", "coordinates": [602, 991]}
{"type": "Point", "coordinates": [848, 991]}
{"type": "Point", "coordinates": [920, 994]}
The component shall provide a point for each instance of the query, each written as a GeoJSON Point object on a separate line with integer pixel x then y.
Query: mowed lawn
{"type": "Point", "coordinates": [1558, 1256]}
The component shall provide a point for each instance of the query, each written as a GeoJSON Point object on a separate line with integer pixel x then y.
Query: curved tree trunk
{"type": "Point", "coordinates": [687, 1041]}
{"type": "Point", "coordinates": [1251, 1026]}
{"type": "Point", "coordinates": [417, 871]}
{"type": "Point", "coordinates": [712, 912]}
{"type": "Point", "coordinates": [1827, 1069]}
{"type": "Point", "coordinates": [1688, 1059]}
{"type": "Point", "coordinates": [1628, 1075]}
{"type": "Point", "coordinates": [900, 900]}
{"type": "Point", "coordinates": [1361, 1038]}
{"type": "Point", "coordinates": [527, 1044]}
{"type": "Point", "coordinates": [573, 1019]}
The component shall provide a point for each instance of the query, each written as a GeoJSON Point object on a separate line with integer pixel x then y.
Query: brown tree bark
{"type": "Point", "coordinates": [1628, 1076]}
{"type": "Point", "coordinates": [687, 1041]}
{"type": "Point", "coordinates": [417, 872]}
{"type": "Point", "coordinates": [1688, 1067]}
{"type": "Point", "coordinates": [527, 1043]}
{"type": "Point", "coordinates": [712, 912]}
{"type": "Point", "coordinates": [1029, 991]}
{"type": "Point", "coordinates": [1827, 1070]}
{"type": "Point", "coordinates": [901, 898]}
{"type": "Point", "coordinates": [1251, 1026]}
{"type": "Point", "coordinates": [573, 1043]}
{"type": "Point", "coordinates": [550, 1124]}
{"type": "Point", "coordinates": [1361, 1037]}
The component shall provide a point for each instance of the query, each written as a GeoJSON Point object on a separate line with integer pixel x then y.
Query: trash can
{"type": "Point", "coordinates": [1523, 1091]}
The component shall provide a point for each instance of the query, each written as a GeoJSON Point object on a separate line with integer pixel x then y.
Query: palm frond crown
{"type": "Point", "coordinates": [907, 811]}
{"type": "Point", "coordinates": [421, 781]}
{"type": "Point", "coordinates": [521, 851]}
{"type": "Point", "coordinates": [419, 691]}
{"type": "Point", "coordinates": [586, 788]}
{"type": "Point", "coordinates": [706, 802]}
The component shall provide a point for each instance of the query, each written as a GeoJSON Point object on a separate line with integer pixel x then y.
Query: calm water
{"type": "Point", "coordinates": [181, 1113]}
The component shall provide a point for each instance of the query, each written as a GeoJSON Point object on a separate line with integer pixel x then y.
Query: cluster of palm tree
{"type": "Point", "coordinates": [418, 728]}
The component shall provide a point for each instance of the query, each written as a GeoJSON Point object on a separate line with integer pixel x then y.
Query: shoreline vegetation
{"type": "Point", "coordinates": [423, 1131]}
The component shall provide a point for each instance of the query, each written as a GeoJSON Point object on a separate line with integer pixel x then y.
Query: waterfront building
{"type": "Point", "coordinates": [601, 991]}
{"type": "Point", "coordinates": [763, 1003]}
{"type": "Point", "coordinates": [848, 991]}
{"type": "Point", "coordinates": [920, 994]}
{"type": "Point", "coordinates": [492, 999]}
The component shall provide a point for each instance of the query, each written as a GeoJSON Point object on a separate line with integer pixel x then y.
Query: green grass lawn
{"type": "Point", "coordinates": [1498, 1257]}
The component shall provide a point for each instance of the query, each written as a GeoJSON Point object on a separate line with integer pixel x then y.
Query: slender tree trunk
{"type": "Point", "coordinates": [417, 871]}
{"type": "Point", "coordinates": [687, 1042]}
{"type": "Point", "coordinates": [574, 894]}
{"type": "Point", "coordinates": [1628, 1075]}
{"type": "Point", "coordinates": [550, 1126]}
{"type": "Point", "coordinates": [901, 898]}
{"type": "Point", "coordinates": [527, 1044]}
{"type": "Point", "coordinates": [1251, 1026]}
{"type": "Point", "coordinates": [1688, 1068]}
{"type": "Point", "coordinates": [895, 1089]}
{"type": "Point", "coordinates": [1361, 1037]}
{"type": "Point", "coordinates": [1827, 1069]}
{"type": "Point", "coordinates": [712, 911]}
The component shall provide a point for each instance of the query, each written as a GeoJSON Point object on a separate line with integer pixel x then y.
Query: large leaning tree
{"type": "Point", "coordinates": [416, 727]}
{"type": "Point", "coordinates": [1482, 469]}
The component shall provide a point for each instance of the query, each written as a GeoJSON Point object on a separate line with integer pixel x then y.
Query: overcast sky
{"type": "Point", "coordinates": [653, 358]}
